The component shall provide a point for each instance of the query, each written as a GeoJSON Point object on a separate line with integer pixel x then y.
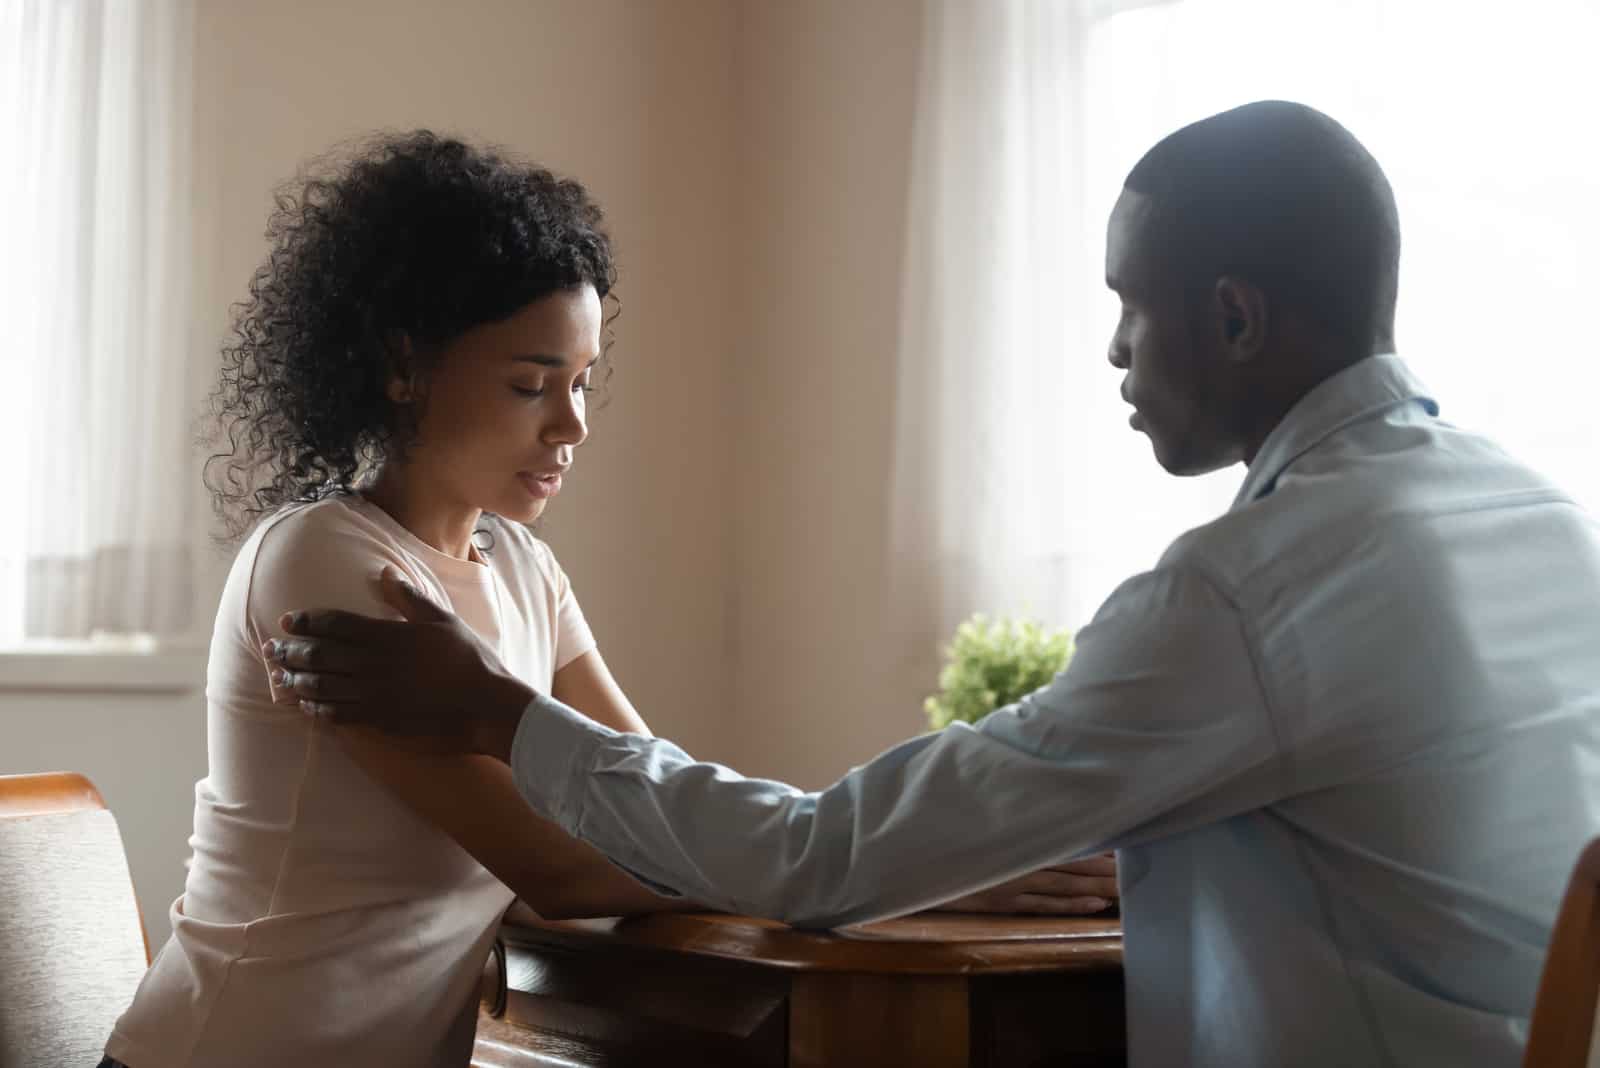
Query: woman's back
{"type": "Point", "coordinates": [323, 920]}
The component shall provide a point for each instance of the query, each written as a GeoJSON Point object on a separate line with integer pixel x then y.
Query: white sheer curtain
{"type": "Point", "coordinates": [1018, 486]}
{"type": "Point", "coordinates": [94, 268]}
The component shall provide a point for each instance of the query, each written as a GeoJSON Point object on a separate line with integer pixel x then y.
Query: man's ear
{"type": "Point", "coordinates": [1240, 310]}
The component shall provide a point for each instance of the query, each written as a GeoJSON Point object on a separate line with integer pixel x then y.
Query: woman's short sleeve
{"type": "Point", "coordinates": [573, 636]}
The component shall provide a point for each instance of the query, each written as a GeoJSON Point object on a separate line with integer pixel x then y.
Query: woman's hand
{"type": "Point", "coordinates": [1076, 889]}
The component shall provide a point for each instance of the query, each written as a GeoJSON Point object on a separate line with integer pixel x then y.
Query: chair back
{"type": "Point", "coordinates": [72, 941]}
{"type": "Point", "coordinates": [1563, 1033]}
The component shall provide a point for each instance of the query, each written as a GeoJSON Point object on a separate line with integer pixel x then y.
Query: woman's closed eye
{"type": "Point", "coordinates": [526, 391]}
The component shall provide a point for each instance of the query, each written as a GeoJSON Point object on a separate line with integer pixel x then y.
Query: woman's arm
{"type": "Point", "coordinates": [586, 684]}
{"type": "Point", "coordinates": [1077, 888]}
{"type": "Point", "coordinates": [475, 801]}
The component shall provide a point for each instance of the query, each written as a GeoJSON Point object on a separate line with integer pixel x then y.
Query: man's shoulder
{"type": "Point", "coordinates": [1379, 488]}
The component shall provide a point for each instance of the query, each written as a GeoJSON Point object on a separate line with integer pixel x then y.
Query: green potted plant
{"type": "Point", "coordinates": [991, 663]}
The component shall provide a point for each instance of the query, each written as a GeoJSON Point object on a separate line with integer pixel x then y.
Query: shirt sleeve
{"type": "Point", "coordinates": [1158, 724]}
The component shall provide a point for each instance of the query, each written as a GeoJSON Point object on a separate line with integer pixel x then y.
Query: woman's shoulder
{"type": "Point", "coordinates": [518, 543]}
{"type": "Point", "coordinates": [315, 533]}
{"type": "Point", "coordinates": [323, 554]}
{"type": "Point", "coordinates": [517, 553]}
{"type": "Point", "coordinates": [539, 588]}
{"type": "Point", "coordinates": [295, 516]}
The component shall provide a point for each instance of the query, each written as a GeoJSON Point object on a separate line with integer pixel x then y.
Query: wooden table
{"type": "Point", "coordinates": [939, 991]}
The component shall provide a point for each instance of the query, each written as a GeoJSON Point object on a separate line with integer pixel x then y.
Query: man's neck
{"type": "Point", "coordinates": [1282, 395]}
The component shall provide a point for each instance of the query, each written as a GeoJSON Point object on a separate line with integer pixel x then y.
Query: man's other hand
{"type": "Point", "coordinates": [429, 679]}
{"type": "Point", "coordinates": [1080, 888]}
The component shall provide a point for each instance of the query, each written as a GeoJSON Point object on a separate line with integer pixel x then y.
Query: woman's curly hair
{"type": "Point", "coordinates": [380, 254]}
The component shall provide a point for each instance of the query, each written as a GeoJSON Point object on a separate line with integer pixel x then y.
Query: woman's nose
{"type": "Point", "coordinates": [570, 426]}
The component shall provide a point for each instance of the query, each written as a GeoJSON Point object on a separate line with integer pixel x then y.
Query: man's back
{"type": "Point", "coordinates": [1423, 616]}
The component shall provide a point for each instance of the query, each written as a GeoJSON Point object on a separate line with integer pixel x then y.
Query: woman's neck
{"type": "Point", "coordinates": [443, 524]}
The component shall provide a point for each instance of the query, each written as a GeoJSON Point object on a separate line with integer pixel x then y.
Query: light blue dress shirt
{"type": "Point", "coordinates": [1345, 740]}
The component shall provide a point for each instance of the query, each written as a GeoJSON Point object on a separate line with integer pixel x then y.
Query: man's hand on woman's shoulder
{"type": "Point", "coordinates": [429, 679]}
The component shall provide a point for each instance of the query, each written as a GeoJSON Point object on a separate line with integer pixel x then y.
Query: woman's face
{"type": "Point", "coordinates": [504, 407]}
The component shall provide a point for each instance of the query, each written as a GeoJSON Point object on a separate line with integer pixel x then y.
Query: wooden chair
{"type": "Point", "coordinates": [1563, 1034]}
{"type": "Point", "coordinates": [72, 941]}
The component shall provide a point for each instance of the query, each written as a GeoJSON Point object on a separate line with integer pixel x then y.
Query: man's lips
{"type": "Point", "coordinates": [1135, 420]}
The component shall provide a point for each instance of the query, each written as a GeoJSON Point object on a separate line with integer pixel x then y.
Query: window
{"type": "Point", "coordinates": [1482, 115]}
{"type": "Point", "coordinates": [1018, 486]}
{"type": "Point", "coordinates": [95, 421]}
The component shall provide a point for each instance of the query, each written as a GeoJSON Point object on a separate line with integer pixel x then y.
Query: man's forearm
{"type": "Point", "coordinates": [843, 855]}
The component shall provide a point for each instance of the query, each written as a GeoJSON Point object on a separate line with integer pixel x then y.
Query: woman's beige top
{"type": "Point", "coordinates": [323, 923]}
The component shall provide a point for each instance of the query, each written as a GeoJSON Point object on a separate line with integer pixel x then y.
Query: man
{"type": "Point", "coordinates": [1344, 738]}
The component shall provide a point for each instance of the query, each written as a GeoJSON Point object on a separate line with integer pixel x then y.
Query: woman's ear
{"type": "Point", "coordinates": [1241, 311]}
{"type": "Point", "coordinates": [401, 387]}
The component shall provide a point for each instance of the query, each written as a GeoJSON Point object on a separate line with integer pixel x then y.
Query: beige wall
{"type": "Point", "coordinates": [724, 527]}
{"type": "Point", "coordinates": [824, 128]}
{"type": "Point", "coordinates": [634, 99]}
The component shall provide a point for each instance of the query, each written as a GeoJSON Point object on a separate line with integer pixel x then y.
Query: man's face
{"type": "Point", "coordinates": [1177, 379]}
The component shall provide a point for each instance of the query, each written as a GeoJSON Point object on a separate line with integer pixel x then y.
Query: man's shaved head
{"type": "Point", "coordinates": [1256, 253]}
{"type": "Point", "coordinates": [1282, 195]}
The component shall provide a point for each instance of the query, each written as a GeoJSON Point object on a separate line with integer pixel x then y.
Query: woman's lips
{"type": "Point", "coordinates": [541, 487]}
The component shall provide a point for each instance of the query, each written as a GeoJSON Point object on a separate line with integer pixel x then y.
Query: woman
{"type": "Point", "coordinates": [407, 386]}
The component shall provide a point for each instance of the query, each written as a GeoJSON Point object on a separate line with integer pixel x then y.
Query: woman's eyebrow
{"type": "Point", "coordinates": [550, 361]}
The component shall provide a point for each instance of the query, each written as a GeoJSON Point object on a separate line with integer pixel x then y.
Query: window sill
{"type": "Point", "coordinates": [72, 667]}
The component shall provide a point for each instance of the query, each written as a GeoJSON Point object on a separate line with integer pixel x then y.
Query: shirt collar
{"type": "Point", "coordinates": [1359, 392]}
